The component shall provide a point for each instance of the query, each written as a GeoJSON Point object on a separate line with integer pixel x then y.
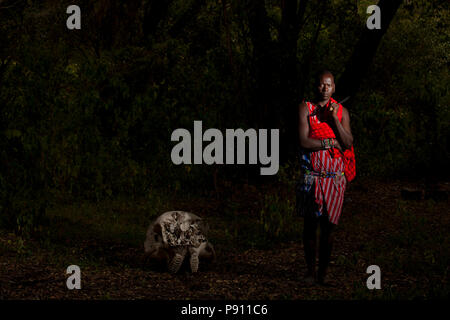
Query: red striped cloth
{"type": "Point", "coordinates": [321, 130]}
{"type": "Point", "coordinates": [329, 192]}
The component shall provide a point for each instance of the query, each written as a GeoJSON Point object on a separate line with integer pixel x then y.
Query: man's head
{"type": "Point", "coordinates": [325, 85]}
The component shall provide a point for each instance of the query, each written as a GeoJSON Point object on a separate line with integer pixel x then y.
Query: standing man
{"type": "Point", "coordinates": [328, 163]}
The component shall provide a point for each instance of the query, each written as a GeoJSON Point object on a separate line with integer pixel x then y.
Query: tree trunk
{"type": "Point", "coordinates": [276, 97]}
{"type": "Point", "coordinates": [365, 50]}
{"type": "Point", "coordinates": [264, 65]}
{"type": "Point", "coordinates": [289, 75]}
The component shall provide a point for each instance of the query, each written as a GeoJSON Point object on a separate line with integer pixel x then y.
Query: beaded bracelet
{"type": "Point", "coordinates": [332, 143]}
{"type": "Point", "coordinates": [328, 143]}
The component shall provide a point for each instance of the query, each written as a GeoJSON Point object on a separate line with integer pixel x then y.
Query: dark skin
{"type": "Point", "coordinates": [342, 130]}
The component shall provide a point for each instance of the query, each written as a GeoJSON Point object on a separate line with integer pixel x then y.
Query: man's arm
{"type": "Point", "coordinates": [342, 130]}
{"type": "Point", "coordinates": [303, 130]}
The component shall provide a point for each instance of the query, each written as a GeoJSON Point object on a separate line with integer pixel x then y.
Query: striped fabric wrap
{"type": "Point", "coordinates": [327, 167]}
{"type": "Point", "coordinates": [321, 130]}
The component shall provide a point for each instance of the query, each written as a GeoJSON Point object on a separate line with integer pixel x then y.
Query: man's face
{"type": "Point", "coordinates": [326, 86]}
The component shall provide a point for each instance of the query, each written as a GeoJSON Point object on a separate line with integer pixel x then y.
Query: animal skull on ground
{"type": "Point", "coordinates": [173, 235]}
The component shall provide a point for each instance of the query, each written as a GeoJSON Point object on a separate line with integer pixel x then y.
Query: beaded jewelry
{"type": "Point", "coordinates": [328, 143]}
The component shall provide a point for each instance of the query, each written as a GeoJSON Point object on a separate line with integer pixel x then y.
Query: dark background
{"type": "Point", "coordinates": [86, 118]}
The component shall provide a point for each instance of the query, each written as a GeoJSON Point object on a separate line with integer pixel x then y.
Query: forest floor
{"type": "Point", "coordinates": [407, 239]}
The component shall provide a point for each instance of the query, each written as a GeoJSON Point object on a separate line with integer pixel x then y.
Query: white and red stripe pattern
{"type": "Point", "coordinates": [329, 192]}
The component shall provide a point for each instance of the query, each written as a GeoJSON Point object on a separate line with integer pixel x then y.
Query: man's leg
{"type": "Point", "coordinates": [325, 247]}
{"type": "Point", "coordinates": [309, 245]}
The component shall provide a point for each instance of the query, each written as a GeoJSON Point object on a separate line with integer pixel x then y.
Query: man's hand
{"type": "Point", "coordinates": [333, 109]}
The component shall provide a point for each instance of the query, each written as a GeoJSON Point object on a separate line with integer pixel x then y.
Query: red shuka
{"type": "Point", "coordinates": [321, 130]}
{"type": "Point", "coordinates": [329, 192]}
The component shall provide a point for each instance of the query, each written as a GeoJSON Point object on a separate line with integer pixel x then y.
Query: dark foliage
{"type": "Point", "coordinates": [88, 113]}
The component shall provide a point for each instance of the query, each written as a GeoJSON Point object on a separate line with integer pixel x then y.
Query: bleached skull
{"type": "Point", "coordinates": [174, 234]}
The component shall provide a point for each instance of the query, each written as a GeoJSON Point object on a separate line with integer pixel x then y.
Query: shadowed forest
{"type": "Point", "coordinates": [86, 118]}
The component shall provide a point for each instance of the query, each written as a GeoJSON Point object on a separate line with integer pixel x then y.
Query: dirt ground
{"type": "Point", "coordinates": [367, 230]}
